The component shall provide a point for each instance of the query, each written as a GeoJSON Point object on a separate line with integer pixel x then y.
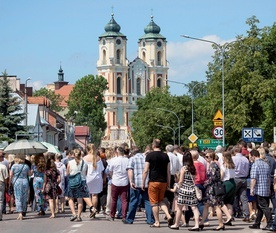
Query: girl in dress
{"type": "Point", "coordinates": [95, 174]}
{"type": "Point", "coordinates": [187, 194]}
{"type": "Point", "coordinates": [175, 190]}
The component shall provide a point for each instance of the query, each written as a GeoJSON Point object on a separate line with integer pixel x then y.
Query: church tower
{"type": "Point", "coordinates": [113, 65]}
{"type": "Point", "coordinates": [152, 50]}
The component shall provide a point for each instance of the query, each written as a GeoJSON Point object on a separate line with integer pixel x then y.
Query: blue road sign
{"type": "Point", "coordinates": [253, 134]}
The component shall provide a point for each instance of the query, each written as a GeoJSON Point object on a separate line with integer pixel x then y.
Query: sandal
{"type": "Point", "coordinates": [154, 226]}
{"type": "Point", "coordinates": [73, 218]}
{"type": "Point", "coordinates": [93, 212]}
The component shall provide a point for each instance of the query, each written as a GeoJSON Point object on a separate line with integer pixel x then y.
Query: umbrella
{"type": "Point", "coordinates": [25, 147]}
{"type": "Point", "coordinates": [51, 148]}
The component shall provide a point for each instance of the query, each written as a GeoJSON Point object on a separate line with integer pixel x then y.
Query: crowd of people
{"type": "Point", "coordinates": [234, 182]}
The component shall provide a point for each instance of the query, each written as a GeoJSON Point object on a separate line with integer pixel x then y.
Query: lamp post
{"type": "Point", "coordinates": [163, 126]}
{"type": "Point", "coordinates": [222, 49]}
{"type": "Point", "coordinates": [26, 103]}
{"type": "Point", "coordinates": [178, 120]}
{"type": "Point", "coordinates": [193, 105]}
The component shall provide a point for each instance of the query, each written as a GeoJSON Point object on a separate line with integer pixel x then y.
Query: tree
{"type": "Point", "coordinates": [86, 105]}
{"type": "Point", "coordinates": [55, 99]}
{"type": "Point", "coordinates": [11, 111]}
{"type": "Point", "coordinates": [149, 122]}
{"type": "Point", "coordinates": [249, 66]}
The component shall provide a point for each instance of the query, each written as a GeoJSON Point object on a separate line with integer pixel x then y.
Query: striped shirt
{"type": "Point", "coordinates": [137, 164]}
{"type": "Point", "coordinates": [260, 171]}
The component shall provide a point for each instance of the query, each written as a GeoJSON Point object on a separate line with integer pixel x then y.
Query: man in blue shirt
{"type": "Point", "coordinates": [260, 186]}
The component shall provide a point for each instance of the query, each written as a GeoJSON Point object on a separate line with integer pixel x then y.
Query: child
{"type": "Point", "coordinates": [175, 191]}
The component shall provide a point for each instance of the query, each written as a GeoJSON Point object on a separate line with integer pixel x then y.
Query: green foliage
{"type": "Point", "coordinates": [11, 111]}
{"type": "Point", "coordinates": [86, 105]}
{"type": "Point", "coordinates": [55, 99]}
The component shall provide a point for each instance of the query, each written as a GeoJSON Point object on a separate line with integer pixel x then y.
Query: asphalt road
{"type": "Point", "coordinates": [61, 224]}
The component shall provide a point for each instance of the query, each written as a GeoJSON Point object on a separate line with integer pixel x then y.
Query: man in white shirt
{"type": "Point", "coordinates": [120, 184]}
{"type": "Point", "coordinates": [3, 183]}
{"type": "Point", "coordinates": [178, 153]}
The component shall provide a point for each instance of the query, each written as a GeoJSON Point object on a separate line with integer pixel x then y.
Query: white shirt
{"type": "Point", "coordinates": [118, 167]}
{"type": "Point", "coordinates": [220, 160]}
{"type": "Point", "coordinates": [180, 158]}
{"type": "Point", "coordinates": [174, 163]}
{"type": "Point", "coordinates": [74, 168]}
{"type": "Point", "coordinates": [228, 173]}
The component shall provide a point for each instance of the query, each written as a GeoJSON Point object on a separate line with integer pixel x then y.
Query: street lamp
{"type": "Point", "coordinates": [193, 105]}
{"type": "Point", "coordinates": [222, 49]}
{"type": "Point", "coordinates": [174, 130]}
{"type": "Point", "coordinates": [163, 126]}
{"type": "Point", "coordinates": [26, 103]}
{"type": "Point", "coordinates": [178, 120]}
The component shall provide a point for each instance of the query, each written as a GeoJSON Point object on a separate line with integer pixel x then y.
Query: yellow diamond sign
{"type": "Point", "coordinates": [192, 137]}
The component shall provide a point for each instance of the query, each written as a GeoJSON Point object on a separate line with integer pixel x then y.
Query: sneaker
{"type": "Point", "coordinates": [79, 219]}
{"type": "Point", "coordinates": [73, 218]}
{"type": "Point", "coordinates": [254, 226]}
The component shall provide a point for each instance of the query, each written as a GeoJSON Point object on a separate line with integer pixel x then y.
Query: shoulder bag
{"type": "Point", "coordinates": [197, 190]}
{"type": "Point", "coordinates": [75, 180]}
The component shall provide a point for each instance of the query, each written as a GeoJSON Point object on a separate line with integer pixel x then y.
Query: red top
{"type": "Point", "coordinates": [200, 176]}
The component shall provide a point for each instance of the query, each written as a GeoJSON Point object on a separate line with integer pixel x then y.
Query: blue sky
{"type": "Point", "coordinates": [38, 35]}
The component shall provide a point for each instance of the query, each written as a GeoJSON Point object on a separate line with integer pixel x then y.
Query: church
{"type": "Point", "coordinates": [129, 81]}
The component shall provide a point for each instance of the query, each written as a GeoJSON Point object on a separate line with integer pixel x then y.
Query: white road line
{"type": "Point", "coordinates": [76, 225]}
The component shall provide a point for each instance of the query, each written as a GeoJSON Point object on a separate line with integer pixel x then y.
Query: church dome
{"type": "Point", "coordinates": [152, 31]}
{"type": "Point", "coordinates": [112, 28]}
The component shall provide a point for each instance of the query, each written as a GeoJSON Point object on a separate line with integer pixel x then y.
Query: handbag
{"type": "Point", "coordinates": [197, 190]}
{"type": "Point", "coordinates": [219, 189]}
{"type": "Point", "coordinates": [59, 190]}
{"type": "Point", "coordinates": [75, 181]}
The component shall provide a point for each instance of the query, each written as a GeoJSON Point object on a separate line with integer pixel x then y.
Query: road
{"type": "Point", "coordinates": [61, 224]}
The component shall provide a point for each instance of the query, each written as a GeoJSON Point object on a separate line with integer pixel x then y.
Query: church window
{"type": "Point", "coordinates": [119, 86]}
{"type": "Point", "coordinates": [118, 56]}
{"type": "Point", "coordinates": [159, 58]}
{"type": "Point", "coordinates": [138, 86]}
{"type": "Point", "coordinates": [159, 82]}
{"type": "Point", "coordinates": [104, 57]}
{"type": "Point", "coordinates": [144, 56]}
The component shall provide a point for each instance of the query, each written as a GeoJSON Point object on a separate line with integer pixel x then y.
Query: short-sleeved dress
{"type": "Point", "coordinates": [50, 191]}
{"type": "Point", "coordinates": [38, 186]}
{"type": "Point", "coordinates": [187, 194]}
{"type": "Point", "coordinates": [94, 178]}
{"type": "Point", "coordinates": [213, 178]}
{"type": "Point", "coordinates": [21, 186]}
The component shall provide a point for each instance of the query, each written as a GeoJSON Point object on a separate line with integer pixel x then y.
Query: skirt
{"type": "Point", "coordinates": [81, 192]}
{"type": "Point", "coordinates": [187, 195]}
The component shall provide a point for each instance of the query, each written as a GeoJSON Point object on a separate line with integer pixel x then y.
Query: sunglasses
{"type": "Point", "coordinates": [207, 157]}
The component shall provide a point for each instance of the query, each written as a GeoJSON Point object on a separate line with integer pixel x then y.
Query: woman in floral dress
{"type": "Point", "coordinates": [38, 172]}
{"type": "Point", "coordinates": [51, 181]}
{"type": "Point", "coordinates": [210, 199]}
{"type": "Point", "coordinates": [19, 179]}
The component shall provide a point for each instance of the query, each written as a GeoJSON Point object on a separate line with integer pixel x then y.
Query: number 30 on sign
{"type": "Point", "coordinates": [218, 132]}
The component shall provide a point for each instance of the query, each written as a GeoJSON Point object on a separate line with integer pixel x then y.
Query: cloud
{"type": "Point", "coordinates": [188, 59]}
{"type": "Point", "coordinates": [37, 85]}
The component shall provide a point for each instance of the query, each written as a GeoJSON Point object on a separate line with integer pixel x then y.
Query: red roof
{"type": "Point", "coordinates": [39, 100]}
{"type": "Point", "coordinates": [65, 92]}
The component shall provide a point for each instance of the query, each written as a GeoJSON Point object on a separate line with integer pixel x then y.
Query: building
{"type": "Point", "coordinates": [129, 81]}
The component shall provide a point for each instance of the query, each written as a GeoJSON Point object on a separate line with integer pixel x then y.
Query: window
{"type": "Point", "coordinates": [159, 82]}
{"type": "Point", "coordinates": [138, 86]}
{"type": "Point", "coordinates": [159, 58]}
{"type": "Point", "coordinates": [119, 86]}
{"type": "Point", "coordinates": [144, 56]}
{"type": "Point", "coordinates": [104, 57]}
{"type": "Point", "coordinates": [118, 56]}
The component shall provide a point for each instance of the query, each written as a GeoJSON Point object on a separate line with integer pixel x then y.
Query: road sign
{"type": "Point", "coordinates": [192, 137]}
{"type": "Point", "coordinates": [218, 118]}
{"type": "Point", "coordinates": [208, 143]}
{"type": "Point", "coordinates": [218, 132]}
{"type": "Point", "coordinates": [253, 134]}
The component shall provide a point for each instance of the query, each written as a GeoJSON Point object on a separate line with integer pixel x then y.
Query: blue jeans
{"type": "Point", "coordinates": [134, 198]}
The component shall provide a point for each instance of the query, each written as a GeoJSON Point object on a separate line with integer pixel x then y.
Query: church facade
{"type": "Point", "coordinates": [129, 81]}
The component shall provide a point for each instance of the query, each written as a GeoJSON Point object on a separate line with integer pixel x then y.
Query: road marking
{"type": "Point", "coordinates": [77, 225]}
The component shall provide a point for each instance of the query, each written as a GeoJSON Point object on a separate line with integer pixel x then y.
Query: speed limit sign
{"type": "Point", "coordinates": [218, 132]}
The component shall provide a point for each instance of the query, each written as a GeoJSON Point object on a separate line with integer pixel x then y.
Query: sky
{"type": "Point", "coordinates": [37, 36]}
